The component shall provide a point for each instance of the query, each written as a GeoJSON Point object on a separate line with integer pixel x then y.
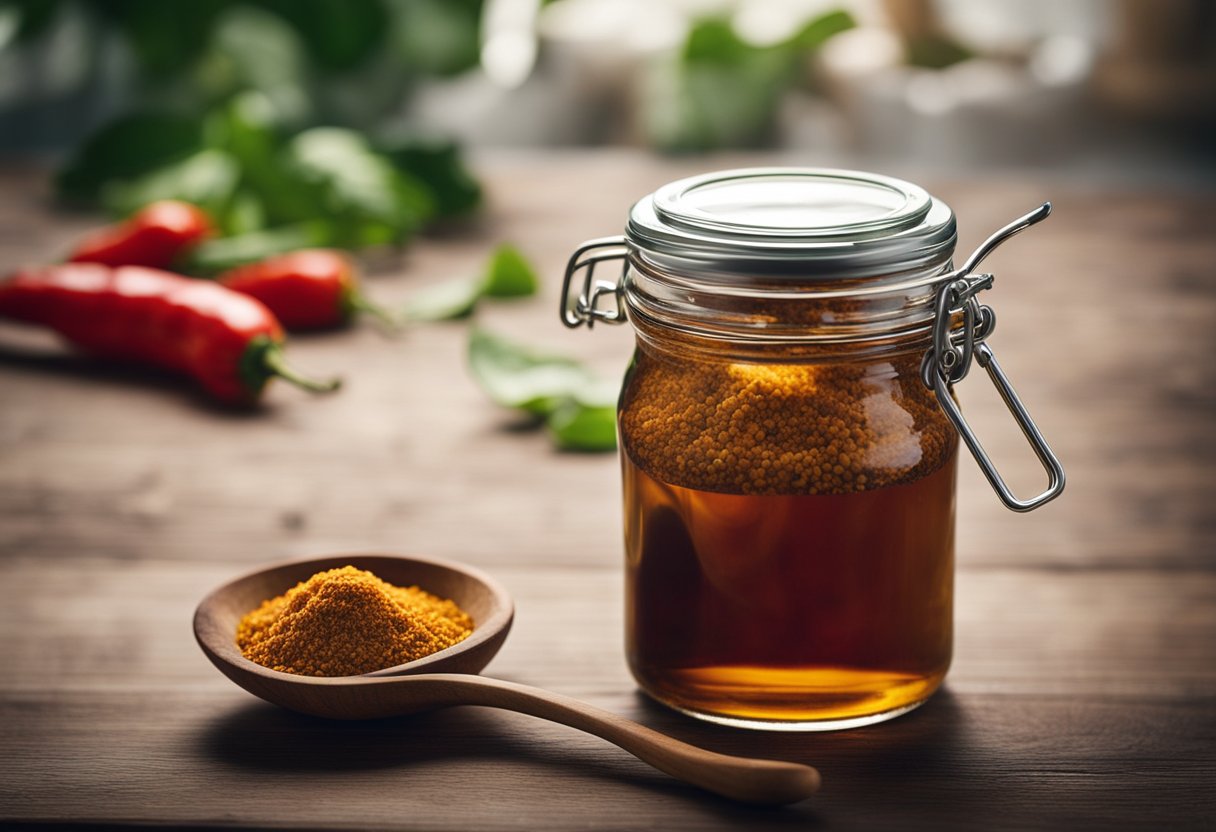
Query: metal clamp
{"type": "Point", "coordinates": [949, 359]}
{"type": "Point", "coordinates": [584, 308]}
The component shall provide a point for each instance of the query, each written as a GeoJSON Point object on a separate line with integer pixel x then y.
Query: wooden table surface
{"type": "Point", "coordinates": [1083, 691]}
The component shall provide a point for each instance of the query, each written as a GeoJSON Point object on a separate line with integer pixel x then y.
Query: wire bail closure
{"type": "Point", "coordinates": [584, 307]}
{"type": "Point", "coordinates": [948, 361]}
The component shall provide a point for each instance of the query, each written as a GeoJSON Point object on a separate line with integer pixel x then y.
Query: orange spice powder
{"type": "Point", "coordinates": [347, 621]}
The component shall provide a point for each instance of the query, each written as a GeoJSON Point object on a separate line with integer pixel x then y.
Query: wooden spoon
{"type": "Point", "coordinates": [447, 678]}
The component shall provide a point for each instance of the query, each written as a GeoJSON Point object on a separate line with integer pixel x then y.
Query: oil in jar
{"type": "Point", "coordinates": [789, 540]}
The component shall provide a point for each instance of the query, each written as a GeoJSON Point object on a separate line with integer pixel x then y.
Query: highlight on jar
{"type": "Point", "coordinates": [789, 437]}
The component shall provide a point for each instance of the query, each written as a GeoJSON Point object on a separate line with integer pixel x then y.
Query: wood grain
{"type": "Point", "coordinates": [1083, 692]}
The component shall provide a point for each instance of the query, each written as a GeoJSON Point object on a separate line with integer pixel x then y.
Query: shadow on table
{"type": "Point", "coordinates": [263, 738]}
{"type": "Point", "coordinates": [91, 370]}
{"type": "Point", "coordinates": [919, 762]}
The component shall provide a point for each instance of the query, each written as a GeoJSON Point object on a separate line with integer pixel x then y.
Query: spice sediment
{"type": "Point", "coordinates": [825, 428]}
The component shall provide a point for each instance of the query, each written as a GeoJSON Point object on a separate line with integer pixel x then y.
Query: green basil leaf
{"type": "Point", "coordinates": [253, 49]}
{"type": "Point", "coordinates": [438, 37]}
{"type": "Point", "coordinates": [28, 19]}
{"type": "Point", "coordinates": [722, 91]}
{"type": "Point", "coordinates": [362, 189]}
{"type": "Point", "coordinates": [246, 126]}
{"type": "Point", "coordinates": [815, 32]}
{"type": "Point", "coordinates": [207, 179]}
{"type": "Point", "coordinates": [580, 427]}
{"type": "Point", "coordinates": [517, 376]}
{"type": "Point", "coordinates": [437, 164]}
{"type": "Point", "coordinates": [339, 34]}
{"type": "Point", "coordinates": [126, 147]}
{"type": "Point", "coordinates": [245, 213]}
{"type": "Point", "coordinates": [166, 38]}
{"type": "Point", "coordinates": [509, 275]}
{"type": "Point", "coordinates": [444, 301]}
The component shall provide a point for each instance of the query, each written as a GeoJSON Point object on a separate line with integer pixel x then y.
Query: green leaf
{"type": "Point", "coordinates": [223, 253]}
{"type": "Point", "coordinates": [246, 126]}
{"type": "Point", "coordinates": [815, 32]}
{"type": "Point", "coordinates": [207, 179]}
{"type": "Point", "coordinates": [509, 274]}
{"type": "Point", "coordinates": [166, 37]}
{"type": "Point", "coordinates": [437, 164]}
{"type": "Point", "coordinates": [936, 52]}
{"type": "Point", "coordinates": [445, 301]}
{"type": "Point", "coordinates": [723, 91]}
{"type": "Point", "coordinates": [713, 40]}
{"type": "Point", "coordinates": [363, 193]}
{"type": "Point", "coordinates": [127, 147]}
{"type": "Point", "coordinates": [579, 427]}
{"type": "Point", "coordinates": [25, 20]}
{"type": "Point", "coordinates": [253, 49]}
{"type": "Point", "coordinates": [339, 34]}
{"type": "Point", "coordinates": [517, 376]}
{"type": "Point", "coordinates": [438, 37]}
{"type": "Point", "coordinates": [245, 213]}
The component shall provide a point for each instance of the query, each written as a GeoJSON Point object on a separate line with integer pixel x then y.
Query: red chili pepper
{"type": "Point", "coordinates": [155, 236]}
{"type": "Point", "coordinates": [306, 289]}
{"type": "Point", "coordinates": [228, 342]}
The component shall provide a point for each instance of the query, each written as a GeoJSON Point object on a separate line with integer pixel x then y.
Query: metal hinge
{"type": "Point", "coordinates": [584, 308]}
{"type": "Point", "coordinates": [949, 359]}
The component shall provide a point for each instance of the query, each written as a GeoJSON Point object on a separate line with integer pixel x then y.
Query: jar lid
{"type": "Point", "coordinates": [814, 223]}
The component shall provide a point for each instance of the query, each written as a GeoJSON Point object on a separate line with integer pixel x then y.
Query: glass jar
{"type": "Point", "coordinates": [789, 440]}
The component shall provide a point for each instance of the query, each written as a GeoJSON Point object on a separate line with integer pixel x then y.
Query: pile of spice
{"type": "Point", "coordinates": [827, 428]}
{"type": "Point", "coordinates": [345, 622]}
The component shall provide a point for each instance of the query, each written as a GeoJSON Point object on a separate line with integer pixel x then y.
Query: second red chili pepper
{"type": "Point", "coordinates": [307, 289]}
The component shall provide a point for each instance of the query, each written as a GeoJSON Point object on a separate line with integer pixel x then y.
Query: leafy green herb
{"type": "Point", "coordinates": [579, 427]}
{"type": "Point", "coordinates": [340, 34]}
{"type": "Point", "coordinates": [438, 165]}
{"type": "Point", "coordinates": [245, 214]}
{"type": "Point", "coordinates": [166, 37]}
{"type": "Point", "coordinates": [576, 405]}
{"type": "Point", "coordinates": [131, 146]}
{"type": "Point", "coordinates": [369, 200]}
{"type": "Point", "coordinates": [23, 21]}
{"type": "Point", "coordinates": [252, 49]}
{"type": "Point", "coordinates": [519, 377]}
{"type": "Point", "coordinates": [935, 52]}
{"type": "Point", "coordinates": [207, 178]}
{"type": "Point", "coordinates": [508, 275]}
{"type": "Point", "coordinates": [445, 301]}
{"type": "Point", "coordinates": [722, 91]}
{"type": "Point", "coordinates": [438, 37]}
{"type": "Point", "coordinates": [223, 253]}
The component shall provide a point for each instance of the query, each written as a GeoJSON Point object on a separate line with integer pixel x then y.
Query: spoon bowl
{"type": "Point", "coordinates": [479, 595]}
{"type": "Point", "coordinates": [448, 678]}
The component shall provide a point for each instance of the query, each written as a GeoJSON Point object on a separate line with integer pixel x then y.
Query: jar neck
{"type": "Point", "coordinates": [782, 319]}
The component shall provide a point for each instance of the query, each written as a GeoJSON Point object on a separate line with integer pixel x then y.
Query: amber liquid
{"type": "Point", "coordinates": [808, 611]}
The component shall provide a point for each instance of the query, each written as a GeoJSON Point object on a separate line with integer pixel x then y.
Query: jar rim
{"type": "Point", "coordinates": [810, 224]}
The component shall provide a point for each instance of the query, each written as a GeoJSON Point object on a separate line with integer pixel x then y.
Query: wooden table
{"type": "Point", "coordinates": [1082, 692]}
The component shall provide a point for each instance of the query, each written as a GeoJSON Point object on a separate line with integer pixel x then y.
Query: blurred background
{"type": "Point", "coordinates": [1121, 90]}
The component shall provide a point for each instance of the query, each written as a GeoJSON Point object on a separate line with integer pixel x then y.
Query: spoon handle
{"type": "Point", "coordinates": [740, 778]}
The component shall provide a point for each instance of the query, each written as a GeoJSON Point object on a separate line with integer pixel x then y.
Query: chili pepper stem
{"type": "Point", "coordinates": [357, 302]}
{"type": "Point", "coordinates": [276, 364]}
{"type": "Point", "coordinates": [264, 359]}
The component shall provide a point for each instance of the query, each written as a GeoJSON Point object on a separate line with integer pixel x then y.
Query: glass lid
{"type": "Point", "coordinates": [810, 222]}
